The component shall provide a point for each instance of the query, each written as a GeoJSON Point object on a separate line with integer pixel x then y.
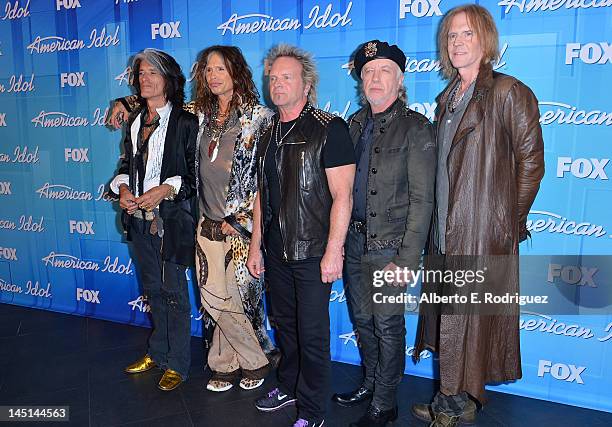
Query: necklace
{"type": "Point", "coordinates": [278, 132]}
{"type": "Point", "coordinates": [456, 100]}
{"type": "Point", "coordinates": [216, 128]}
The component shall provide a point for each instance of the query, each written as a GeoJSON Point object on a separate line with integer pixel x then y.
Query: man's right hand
{"type": "Point", "coordinates": [255, 262]}
{"type": "Point", "coordinates": [127, 201]}
{"type": "Point", "coordinates": [118, 115]}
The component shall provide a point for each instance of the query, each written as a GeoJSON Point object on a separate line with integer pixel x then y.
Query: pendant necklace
{"type": "Point", "coordinates": [215, 131]}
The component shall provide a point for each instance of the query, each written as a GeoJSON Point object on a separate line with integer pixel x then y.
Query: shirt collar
{"type": "Point", "coordinates": [164, 111]}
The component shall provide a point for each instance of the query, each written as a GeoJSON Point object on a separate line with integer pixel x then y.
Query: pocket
{"type": "Point", "coordinates": [395, 150]}
{"type": "Point", "coordinates": [397, 213]}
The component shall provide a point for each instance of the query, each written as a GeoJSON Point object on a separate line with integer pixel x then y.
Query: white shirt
{"type": "Point", "coordinates": [154, 158]}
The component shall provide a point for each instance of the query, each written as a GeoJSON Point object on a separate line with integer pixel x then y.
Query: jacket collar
{"type": "Point", "coordinates": [474, 111]}
{"type": "Point", "coordinates": [384, 116]}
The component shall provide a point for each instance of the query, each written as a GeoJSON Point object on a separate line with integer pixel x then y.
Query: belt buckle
{"type": "Point", "coordinates": [359, 226]}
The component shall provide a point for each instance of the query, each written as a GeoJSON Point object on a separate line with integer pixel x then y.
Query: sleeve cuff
{"type": "Point", "coordinates": [118, 180]}
{"type": "Point", "coordinates": [175, 182]}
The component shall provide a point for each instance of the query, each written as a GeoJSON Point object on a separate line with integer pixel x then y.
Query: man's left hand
{"type": "Point", "coordinates": [398, 274]}
{"type": "Point", "coordinates": [331, 265]}
{"type": "Point", "coordinates": [152, 198]}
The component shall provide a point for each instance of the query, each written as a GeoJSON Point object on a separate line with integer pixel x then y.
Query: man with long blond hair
{"type": "Point", "coordinates": [490, 164]}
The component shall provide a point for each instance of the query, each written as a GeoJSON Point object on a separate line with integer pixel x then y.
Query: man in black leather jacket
{"type": "Point", "coordinates": [301, 215]}
{"type": "Point", "coordinates": [393, 200]}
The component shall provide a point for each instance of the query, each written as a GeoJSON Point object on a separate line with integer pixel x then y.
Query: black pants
{"type": "Point", "coordinates": [299, 303]}
{"type": "Point", "coordinates": [164, 285]}
{"type": "Point", "coordinates": [381, 329]}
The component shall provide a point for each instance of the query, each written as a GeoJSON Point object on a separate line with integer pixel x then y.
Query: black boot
{"type": "Point", "coordinates": [375, 417]}
{"type": "Point", "coordinates": [353, 398]}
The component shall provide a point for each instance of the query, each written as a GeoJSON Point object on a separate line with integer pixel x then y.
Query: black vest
{"type": "Point", "coordinates": [305, 198]}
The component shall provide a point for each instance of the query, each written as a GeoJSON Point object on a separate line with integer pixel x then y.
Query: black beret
{"type": "Point", "coordinates": [376, 49]}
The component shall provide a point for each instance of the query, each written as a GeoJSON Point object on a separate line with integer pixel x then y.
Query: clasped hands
{"type": "Point", "coordinates": [148, 201]}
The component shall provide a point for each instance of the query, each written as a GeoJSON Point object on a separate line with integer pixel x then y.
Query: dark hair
{"type": "Point", "coordinates": [174, 79]}
{"type": "Point", "coordinates": [245, 93]}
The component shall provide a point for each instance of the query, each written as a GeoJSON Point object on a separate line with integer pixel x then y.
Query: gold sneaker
{"type": "Point", "coordinates": [170, 380]}
{"type": "Point", "coordinates": [141, 365]}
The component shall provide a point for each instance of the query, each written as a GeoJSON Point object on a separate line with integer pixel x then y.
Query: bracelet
{"type": "Point", "coordinates": [171, 194]}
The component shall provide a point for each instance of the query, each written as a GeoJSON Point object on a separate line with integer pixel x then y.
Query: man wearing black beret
{"type": "Point", "coordinates": [392, 207]}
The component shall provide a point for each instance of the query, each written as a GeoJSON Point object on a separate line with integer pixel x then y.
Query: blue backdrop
{"type": "Point", "coordinates": [61, 61]}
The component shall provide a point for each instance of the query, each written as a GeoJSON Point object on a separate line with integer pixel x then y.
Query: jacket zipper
{"type": "Point", "coordinates": [303, 172]}
{"type": "Point", "coordinates": [280, 216]}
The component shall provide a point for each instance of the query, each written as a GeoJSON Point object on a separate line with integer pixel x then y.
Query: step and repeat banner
{"type": "Point", "coordinates": [61, 61]}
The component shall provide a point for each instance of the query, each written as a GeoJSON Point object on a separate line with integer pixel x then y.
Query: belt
{"type": "Point", "coordinates": [144, 215]}
{"type": "Point", "coordinates": [211, 229]}
{"type": "Point", "coordinates": [358, 226]}
{"type": "Point", "coordinates": [151, 221]}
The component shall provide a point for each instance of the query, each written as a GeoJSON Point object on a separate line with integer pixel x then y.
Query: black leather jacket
{"type": "Point", "coordinates": [305, 198]}
{"type": "Point", "coordinates": [401, 180]}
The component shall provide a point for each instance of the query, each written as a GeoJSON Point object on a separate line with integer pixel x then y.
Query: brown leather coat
{"type": "Point", "coordinates": [495, 166]}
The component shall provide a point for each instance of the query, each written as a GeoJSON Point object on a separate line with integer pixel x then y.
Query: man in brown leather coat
{"type": "Point", "coordinates": [490, 163]}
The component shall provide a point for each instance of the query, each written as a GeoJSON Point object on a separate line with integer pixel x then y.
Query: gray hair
{"type": "Point", "coordinates": [401, 93]}
{"type": "Point", "coordinates": [309, 68]}
{"type": "Point", "coordinates": [155, 57]}
{"type": "Point", "coordinates": [174, 79]}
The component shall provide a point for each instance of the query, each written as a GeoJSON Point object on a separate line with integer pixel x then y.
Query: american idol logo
{"type": "Point", "coordinates": [526, 6]}
{"type": "Point", "coordinates": [14, 11]}
{"type": "Point", "coordinates": [549, 325]}
{"type": "Point", "coordinates": [26, 223]}
{"type": "Point", "coordinates": [110, 265]}
{"type": "Point", "coordinates": [558, 112]}
{"type": "Point", "coordinates": [259, 22]}
{"type": "Point", "coordinates": [52, 44]}
{"type": "Point", "coordinates": [19, 84]}
{"type": "Point", "coordinates": [62, 192]}
{"type": "Point", "coordinates": [555, 223]}
{"type": "Point", "coordinates": [140, 304]}
{"type": "Point", "coordinates": [31, 288]}
{"type": "Point", "coordinates": [21, 155]}
{"type": "Point", "coordinates": [65, 192]}
{"type": "Point", "coordinates": [57, 119]}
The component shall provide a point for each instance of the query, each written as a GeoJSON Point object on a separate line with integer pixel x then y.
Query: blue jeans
{"type": "Point", "coordinates": [164, 286]}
